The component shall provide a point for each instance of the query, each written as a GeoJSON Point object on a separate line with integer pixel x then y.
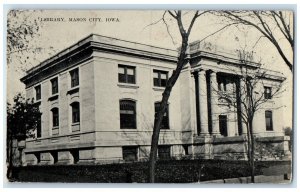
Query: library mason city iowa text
{"type": "Point", "coordinates": [98, 99]}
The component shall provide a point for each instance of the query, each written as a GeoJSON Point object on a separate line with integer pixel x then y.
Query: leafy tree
{"type": "Point", "coordinates": [21, 29]}
{"type": "Point", "coordinates": [23, 47]}
{"type": "Point", "coordinates": [23, 118]}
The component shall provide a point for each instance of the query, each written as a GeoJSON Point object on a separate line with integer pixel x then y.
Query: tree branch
{"type": "Point", "coordinates": [265, 31]}
{"type": "Point", "coordinates": [172, 14]}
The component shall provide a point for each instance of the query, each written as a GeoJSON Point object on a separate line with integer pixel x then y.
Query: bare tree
{"type": "Point", "coordinates": [276, 26]}
{"type": "Point", "coordinates": [250, 98]}
{"type": "Point", "coordinates": [185, 28]}
{"type": "Point", "coordinates": [182, 61]}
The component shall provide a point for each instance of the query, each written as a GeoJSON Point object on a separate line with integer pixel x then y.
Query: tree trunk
{"type": "Point", "coordinates": [249, 142]}
{"type": "Point", "coordinates": [252, 163]}
{"type": "Point", "coordinates": [166, 94]}
{"type": "Point", "coordinates": [251, 150]}
{"type": "Point", "coordinates": [9, 158]}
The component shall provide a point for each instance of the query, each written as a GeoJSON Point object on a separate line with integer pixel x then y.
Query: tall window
{"type": "Point", "coordinates": [75, 112]}
{"type": "Point", "coordinates": [160, 78]}
{"type": "Point", "coordinates": [127, 114]}
{"type": "Point", "coordinates": [269, 120]}
{"type": "Point", "coordinates": [55, 117]}
{"type": "Point", "coordinates": [126, 74]}
{"type": "Point", "coordinates": [38, 94]}
{"type": "Point", "coordinates": [165, 121]}
{"type": "Point", "coordinates": [268, 92]}
{"type": "Point", "coordinates": [223, 124]}
{"type": "Point", "coordinates": [164, 152]}
{"type": "Point", "coordinates": [39, 127]}
{"type": "Point", "coordinates": [129, 153]}
{"type": "Point", "coordinates": [74, 77]}
{"type": "Point", "coordinates": [54, 85]}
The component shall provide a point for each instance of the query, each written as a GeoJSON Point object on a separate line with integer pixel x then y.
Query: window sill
{"type": "Point", "coordinates": [55, 130]}
{"type": "Point", "coordinates": [38, 141]}
{"type": "Point", "coordinates": [38, 102]}
{"type": "Point", "coordinates": [226, 93]}
{"type": "Point", "coordinates": [128, 129]}
{"type": "Point", "coordinates": [158, 88]}
{"type": "Point", "coordinates": [74, 124]}
{"type": "Point", "coordinates": [127, 85]}
{"type": "Point", "coordinates": [76, 127]}
{"type": "Point", "coordinates": [73, 90]}
{"type": "Point", "coordinates": [53, 97]}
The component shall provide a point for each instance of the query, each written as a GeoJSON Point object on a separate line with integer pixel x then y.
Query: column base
{"type": "Point", "coordinates": [216, 134]}
{"type": "Point", "coordinates": [203, 151]}
{"type": "Point", "coordinates": [204, 135]}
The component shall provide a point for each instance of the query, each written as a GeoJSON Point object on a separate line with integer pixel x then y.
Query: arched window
{"type": "Point", "coordinates": [75, 112]}
{"type": "Point", "coordinates": [55, 117]}
{"type": "Point", "coordinates": [127, 114]}
{"type": "Point", "coordinates": [165, 120]}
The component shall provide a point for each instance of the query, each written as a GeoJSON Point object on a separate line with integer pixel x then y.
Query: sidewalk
{"type": "Point", "coordinates": [275, 179]}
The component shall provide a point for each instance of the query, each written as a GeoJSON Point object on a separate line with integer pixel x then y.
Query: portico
{"type": "Point", "coordinates": [212, 108]}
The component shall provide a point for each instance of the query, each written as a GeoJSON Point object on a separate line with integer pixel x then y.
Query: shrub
{"type": "Point", "coordinates": [171, 171]}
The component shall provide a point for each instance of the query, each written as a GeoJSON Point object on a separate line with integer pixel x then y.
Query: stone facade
{"type": "Point", "coordinates": [92, 131]}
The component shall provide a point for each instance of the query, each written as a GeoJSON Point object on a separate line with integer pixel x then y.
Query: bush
{"type": "Point", "coordinates": [172, 171]}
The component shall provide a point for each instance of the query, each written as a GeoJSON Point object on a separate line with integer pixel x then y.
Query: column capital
{"type": "Point", "coordinates": [194, 70]}
{"type": "Point", "coordinates": [213, 73]}
{"type": "Point", "coordinates": [201, 71]}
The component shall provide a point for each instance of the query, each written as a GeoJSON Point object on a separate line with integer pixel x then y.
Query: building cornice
{"type": "Point", "coordinates": [95, 42]}
{"type": "Point", "coordinates": [223, 59]}
{"type": "Point", "coordinates": [272, 75]}
{"type": "Point", "coordinates": [84, 48]}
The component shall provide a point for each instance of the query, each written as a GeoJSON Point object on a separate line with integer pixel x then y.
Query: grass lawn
{"type": "Point", "coordinates": [173, 171]}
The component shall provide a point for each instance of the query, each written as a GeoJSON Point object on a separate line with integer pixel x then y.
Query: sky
{"type": "Point", "coordinates": [141, 27]}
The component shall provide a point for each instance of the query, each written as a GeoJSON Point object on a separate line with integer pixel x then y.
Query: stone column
{"type": "Point", "coordinates": [232, 115]}
{"type": "Point", "coordinates": [203, 103]}
{"type": "Point", "coordinates": [243, 95]}
{"type": "Point", "coordinates": [214, 103]}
